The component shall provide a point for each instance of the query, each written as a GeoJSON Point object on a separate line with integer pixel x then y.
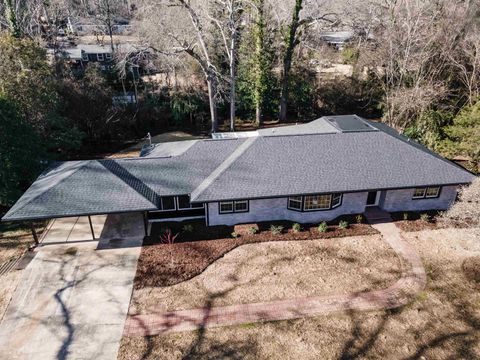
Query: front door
{"type": "Point", "coordinates": [372, 198]}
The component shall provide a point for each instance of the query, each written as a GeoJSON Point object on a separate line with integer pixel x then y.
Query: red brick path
{"type": "Point", "coordinates": [400, 293]}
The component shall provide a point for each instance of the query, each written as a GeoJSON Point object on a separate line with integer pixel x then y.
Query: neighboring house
{"type": "Point", "coordinates": [305, 173]}
{"type": "Point", "coordinates": [83, 54]}
{"type": "Point", "coordinates": [338, 39]}
{"type": "Point", "coordinates": [124, 99]}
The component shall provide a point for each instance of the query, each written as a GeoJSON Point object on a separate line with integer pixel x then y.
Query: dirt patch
{"type": "Point", "coordinates": [192, 257]}
{"type": "Point", "coordinates": [279, 270]}
{"type": "Point", "coordinates": [443, 322]}
{"type": "Point", "coordinates": [412, 221]}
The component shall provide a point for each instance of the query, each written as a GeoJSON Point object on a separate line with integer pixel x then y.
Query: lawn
{"type": "Point", "coordinates": [277, 270]}
{"type": "Point", "coordinates": [442, 323]}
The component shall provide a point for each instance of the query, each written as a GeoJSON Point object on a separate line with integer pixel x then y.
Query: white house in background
{"type": "Point", "coordinates": [306, 173]}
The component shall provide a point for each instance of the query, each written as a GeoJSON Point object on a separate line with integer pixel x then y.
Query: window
{"type": "Point", "coordinates": [432, 192]}
{"type": "Point", "coordinates": [426, 192]}
{"type": "Point", "coordinates": [84, 56]}
{"type": "Point", "coordinates": [295, 202]}
{"type": "Point", "coordinates": [419, 193]}
{"type": "Point", "coordinates": [183, 202]}
{"type": "Point", "coordinates": [108, 56]}
{"type": "Point", "coordinates": [100, 57]}
{"type": "Point", "coordinates": [241, 206]}
{"type": "Point", "coordinates": [226, 207]}
{"type": "Point", "coordinates": [317, 202]}
{"type": "Point", "coordinates": [168, 203]}
{"type": "Point", "coordinates": [336, 200]}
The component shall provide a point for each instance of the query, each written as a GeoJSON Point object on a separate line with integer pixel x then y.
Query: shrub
{"type": "Point", "coordinates": [405, 216]}
{"type": "Point", "coordinates": [296, 227]}
{"type": "Point", "coordinates": [425, 217]}
{"type": "Point", "coordinates": [359, 218]}
{"type": "Point", "coordinates": [252, 230]}
{"type": "Point", "coordinates": [234, 235]}
{"type": "Point", "coordinates": [188, 228]}
{"type": "Point", "coordinates": [167, 237]}
{"type": "Point", "coordinates": [322, 227]}
{"type": "Point", "coordinates": [276, 229]}
{"type": "Point", "coordinates": [343, 224]}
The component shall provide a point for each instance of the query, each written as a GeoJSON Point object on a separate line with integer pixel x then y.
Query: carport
{"type": "Point", "coordinates": [83, 189]}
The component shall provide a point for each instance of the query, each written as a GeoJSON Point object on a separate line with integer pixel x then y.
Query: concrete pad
{"type": "Point", "coordinates": [72, 300]}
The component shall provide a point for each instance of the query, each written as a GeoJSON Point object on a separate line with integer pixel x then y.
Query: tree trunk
{"type": "Point", "coordinates": [258, 115]}
{"type": "Point", "coordinates": [284, 93]}
{"type": "Point", "coordinates": [259, 37]}
{"type": "Point", "coordinates": [109, 25]}
{"type": "Point", "coordinates": [212, 88]}
{"type": "Point", "coordinates": [233, 47]}
{"type": "Point", "coordinates": [291, 42]}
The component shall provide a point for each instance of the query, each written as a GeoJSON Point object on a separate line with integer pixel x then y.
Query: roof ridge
{"type": "Point", "coordinates": [13, 210]}
{"type": "Point", "coordinates": [222, 167]}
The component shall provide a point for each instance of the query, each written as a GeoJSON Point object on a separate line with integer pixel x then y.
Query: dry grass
{"type": "Point", "coordinates": [443, 323]}
{"type": "Point", "coordinates": [279, 270]}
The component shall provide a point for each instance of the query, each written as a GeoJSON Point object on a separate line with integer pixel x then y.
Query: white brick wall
{"type": "Point", "coordinates": [352, 203]}
{"type": "Point", "coordinates": [276, 209]}
{"type": "Point", "coordinates": [401, 200]}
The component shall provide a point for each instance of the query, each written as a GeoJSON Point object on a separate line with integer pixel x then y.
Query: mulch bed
{"type": "Point", "coordinates": [415, 223]}
{"type": "Point", "coordinates": [164, 265]}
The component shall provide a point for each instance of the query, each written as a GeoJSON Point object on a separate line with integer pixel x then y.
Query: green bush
{"type": "Point", "coordinates": [276, 229]}
{"type": "Point", "coordinates": [425, 217]}
{"type": "Point", "coordinates": [343, 224]}
{"type": "Point", "coordinates": [359, 218]}
{"type": "Point", "coordinates": [296, 227]}
{"type": "Point", "coordinates": [253, 230]}
{"type": "Point", "coordinates": [188, 228]}
{"type": "Point", "coordinates": [234, 235]}
{"type": "Point", "coordinates": [350, 55]}
{"type": "Point", "coordinates": [322, 227]}
{"type": "Point", "coordinates": [405, 216]}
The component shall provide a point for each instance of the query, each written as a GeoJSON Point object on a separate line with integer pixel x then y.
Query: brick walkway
{"type": "Point", "coordinates": [412, 281]}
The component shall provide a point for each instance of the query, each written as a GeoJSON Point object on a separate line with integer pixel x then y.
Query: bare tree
{"type": "Point", "coordinates": [182, 27]}
{"type": "Point", "coordinates": [303, 15]}
{"type": "Point", "coordinates": [415, 40]}
{"type": "Point", "coordinates": [229, 25]}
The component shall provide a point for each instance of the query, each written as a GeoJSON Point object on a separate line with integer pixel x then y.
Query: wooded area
{"type": "Point", "coordinates": [204, 66]}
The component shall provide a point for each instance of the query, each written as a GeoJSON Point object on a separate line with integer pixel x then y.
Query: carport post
{"type": "Point", "coordinates": [91, 226]}
{"type": "Point", "coordinates": [34, 233]}
{"type": "Point", "coordinates": [145, 222]}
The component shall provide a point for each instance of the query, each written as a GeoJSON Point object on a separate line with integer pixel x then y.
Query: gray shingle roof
{"type": "Point", "coordinates": [118, 185]}
{"type": "Point", "coordinates": [309, 158]}
{"type": "Point", "coordinates": [341, 162]}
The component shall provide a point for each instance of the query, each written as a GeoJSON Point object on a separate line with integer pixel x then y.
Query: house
{"type": "Point", "coordinates": [305, 173]}
{"type": "Point", "coordinates": [82, 54]}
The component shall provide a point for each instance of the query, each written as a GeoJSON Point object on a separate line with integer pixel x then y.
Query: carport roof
{"type": "Point", "coordinates": [89, 187]}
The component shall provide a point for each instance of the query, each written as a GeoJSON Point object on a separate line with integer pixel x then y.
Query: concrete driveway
{"type": "Point", "coordinates": [73, 298]}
